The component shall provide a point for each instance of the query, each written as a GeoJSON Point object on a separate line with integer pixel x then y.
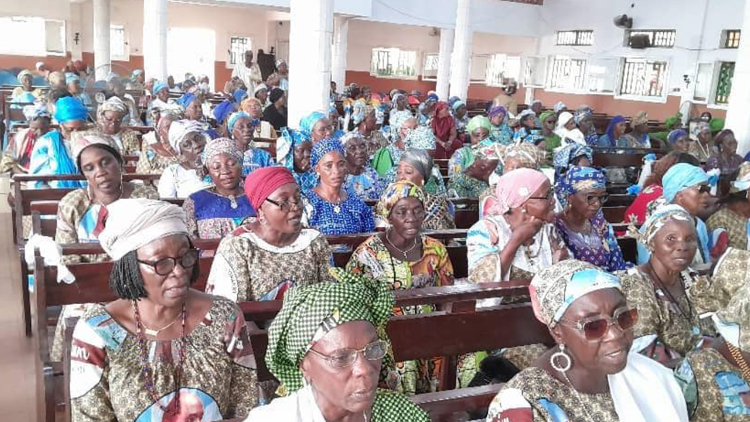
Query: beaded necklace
{"type": "Point", "coordinates": [737, 356]}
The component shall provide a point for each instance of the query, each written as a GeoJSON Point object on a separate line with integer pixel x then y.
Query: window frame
{"type": "Point", "coordinates": [395, 75]}
{"type": "Point", "coordinates": [617, 69]}
{"type": "Point", "coordinates": [715, 85]}
{"type": "Point", "coordinates": [125, 43]}
{"type": "Point", "coordinates": [64, 38]}
{"type": "Point", "coordinates": [723, 44]}
{"type": "Point", "coordinates": [645, 98]}
{"type": "Point", "coordinates": [578, 36]}
{"type": "Point", "coordinates": [526, 71]}
{"type": "Point", "coordinates": [711, 84]}
{"type": "Point", "coordinates": [516, 78]}
{"type": "Point", "coordinates": [424, 67]}
{"type": "Point", "coordinates": [550, 65]}
{"type": "Point", "coordinates": [229, 63]}
{"type": "Point", "coordinates": [629, 33]}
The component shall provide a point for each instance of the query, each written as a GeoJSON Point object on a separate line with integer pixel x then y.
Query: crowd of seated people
{"type": "Point", "coordinates": [632, 340]}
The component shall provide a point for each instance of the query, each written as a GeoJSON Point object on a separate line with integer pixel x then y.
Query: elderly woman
{"type": "Point", "coordinates": [260, 93]}
{"type": "Point", "coordinates": [584, 119]}
{"type": "Point", "coordinates": [479, 128]}
{"type": "Point", "coordinates": [444, 127]}
{"type": "Point", "coordinates": [26, 92]}
{"type": "Point", "coordinates": [614, 133]}
{"type": "Point", "coordinates": [109, 117]}
{"type": "Point", "coordinates": [679, 141]}
{"type": "Point", "coordinates": [400, 108]}
{"type": "Point", "coordinates": [470, 172]}
{"type": "Point", "coordinates": [330, 207]}
{"type": "Point", "coordinates": [137, 80]}
{"type": "Point", "coordinates": [402, 126]}
{"type": "Point", "coordinates": [416, 167]}
{"type": "Point", "coordinates": [161, 100]}
{"type": "Point", "coordinates": [727, 160]}
{"type": "Point", "coordinates": [589, 376]}
{"type": "Point", "coordinates": [499, 131]}
{"type": "Point", "coordinates": [669, 325]}
{"type": "Point", "coordinates": [516, 238]}
{"type": "Point", "coordinates": [116, 85]}
{"type": "Point", "coordinates": [162, 349]}
{"type": "Point", "coordinates": [265, 256]}
{"type": "Point", "coordinates": [241, 126]}
{"type": "Point", "coordinates": [293, 151]}
{"type": "Point", "coordinates": [638, 138]}
{"type": "Point", "coordinates": [182, 179]}
{"type": "Point", "coordinates": [402, 259]}
{"type": "Point", "coordinates": [361, 179]}
{"type": "Point", "coordinates": [214, 212]}
{"type": "Point", "coordinates": [522, 155]}
{"type": "Point", "coordinates": [254, 108]}
{"type": "Point", "coordinates": [734, 211]}
{"type": "Point", "coordinates": [527, 132]}
{"type": "Point", "coordinates": [17, 155]}
{"type": "Point", "coordinates": [51, 153]}
{"type": "Point", "coordinates": [567, 131]}
{"type": "Point", "coordinates": [702, 146]}
{"type": "Point", "coordinates": [316, 127]}
{"type": "Point", "coordinates": [589, 237]}
{"type": "Point", "coordinates": [157, 154]}
{"type": "Point", "coordinates": [364, 120]}
{"type": "Point", "coordinates": [460, 116]}
{"type": "Point", "coordinates": [313, 349]}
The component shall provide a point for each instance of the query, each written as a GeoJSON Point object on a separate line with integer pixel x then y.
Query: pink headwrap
{"type": "Point", "coordinates": [261, 183]}
{"type": "Point", "coordinates": [514, 189]}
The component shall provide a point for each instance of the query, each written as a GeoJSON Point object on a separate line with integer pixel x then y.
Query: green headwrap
{"type": "Point", "coordinates": [673, 121]}
{"type": "Point", "coordinates": [311, 310]}
{"type": "Point", "coordinates": [477, 122]}
{"type": "Point", "coordinates": [716, 124]}
{"type": "Point", "coordinates": [545, 115]}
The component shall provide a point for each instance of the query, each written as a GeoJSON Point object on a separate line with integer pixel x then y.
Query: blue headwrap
{"type": "Point", "coordinates": [239, 94]}
{"type": "Point", "coordinates": [185, 100]}
{"type": "Point", "coordinates": [135, 74]}
{"type": "Point", "coordinates": [452, 100]}
{"type": "Point", "coordinates": [676, 134]}
{"type": "Point", "coordinates": [222, 111]}
{"type": "Point", "coordinates": [324, 147]}
{"type": "Point", "coordinates": [70, 109]}
{"type": "Point", "coordinates": [494, 111]}
{"type": "Point", "coordinates": [582, 114]}
{"type": "Point", "coordinates": [71, 77]}
{"type": "Point", "coordinates": [432, 97]}
{"type": "Point", "coordinates": [307, 123]}
{"type": "Point", "coordinates": [285, 145]}
{"type": "Point", "coordinates": [456, 105]}
{"type": "Point", "coordinates": [578, 179]}
{"type": "Point", "coordinates": [680, 177]}
{"type": "Point", "coordinates": [611, 128]}
{"type": "Point", "coordinates": [564, 156]}
{"type": "Point", "coordinates": [235, 117]}
{"type": "Point", "coordinates": [158, 86]}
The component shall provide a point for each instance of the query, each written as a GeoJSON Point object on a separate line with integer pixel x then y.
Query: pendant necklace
{"type": "Point", "coordinates": [404, 253]}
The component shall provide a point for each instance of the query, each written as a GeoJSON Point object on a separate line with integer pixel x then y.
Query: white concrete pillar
{"type": "Point", "coordinates": [310, 40]}
{"type": "Point", "coordinates": [444, 63]}
{"type": "Point", "coordinates": [461, 57]}
{"type": "Point", "coordinates": [340, 49]}
{"type": "Point", "coordinates": [529, 96]}
{"type": "Point", "coordinates": [155, 39]}
{"type": "Point", "coordinates": [739, 98]}
{"type": "Point", "coordinates": [101, 39]}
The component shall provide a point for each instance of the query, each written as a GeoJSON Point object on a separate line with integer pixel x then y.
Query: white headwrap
{"type": "Point", "coordinates": [134, 223]}
{"type": "Point", "coordinates": [574, 135]}
{"type": "Point", "coordinates": [180, 129]}
{"type": "Point", "coordinates": [559, 106]}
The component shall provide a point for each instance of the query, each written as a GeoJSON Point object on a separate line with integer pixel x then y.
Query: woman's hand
{"type": "Point", "coordinates": [526, 231]}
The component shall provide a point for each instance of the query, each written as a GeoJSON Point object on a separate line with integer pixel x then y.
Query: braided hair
{"type": "Point", "coordinates": [126, 279]}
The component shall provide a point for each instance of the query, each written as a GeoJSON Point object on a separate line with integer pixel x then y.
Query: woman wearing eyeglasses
{"type": "Point", "coordinates": [589, 237]}
{"type": "Point", "coordinates": [162, 350]}
{"type": "Point", "coordinates": [361, 179]}
{"type": "Point", "coordinates": [262, 258]}
{"type": "Point", "coordinates": [109, 120]}
{"type": "Point", "coordinates": [590, 374]}
{"type": "Point", "coordinates": [327, 346]}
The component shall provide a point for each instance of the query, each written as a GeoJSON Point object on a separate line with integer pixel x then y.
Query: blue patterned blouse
{"type": "Point", "coordinates": [348, 217]}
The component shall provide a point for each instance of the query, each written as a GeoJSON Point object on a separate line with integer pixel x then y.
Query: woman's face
{"type": "Point", "coordinates": [302, 154]}
{"type": "Point", "coordinates": [407, 172]}
{"type": "Point", "coordinates": [443, 113]}
{"type": "Point", "coordinates": [401, 103]}
{"type": "Point", "coordinates": [69, 127]}
{"type": "Point", "coordinates": [286, 217]}
{"type": "Point", "coordinates": [192, 147]}
{"type": "Point", "coordinates": [370, 121]}
{"type": "Point", "coordinates": [529, 121]}
{"type": "Point", "coordinates": [40, 126]}
{"type": "Point", "coordinates": [194, 111]}
{"type": "Point", "coordinates": [586, 124]}
{"type": "Point", "coordinates": [461, 112]}
{"type": "Point", "coordinates": [479, 134]}
{"type": "Point", "coordinates": [110, 122]}
{"type": "Point", "coordinates": [541, 205]}
{"type": "Point", "coordinates": [254, 110]}
{"type": "Point", "coordinates": [729, 145]}
{"type": "Point", "coordinates": [242, 133]}
{"type": "Point", "coordinates": [571, 124]}
{"type": "Point", "coordinates": [332, 169]}
{"type": "Point", "coordinates": [694, 199]}
{"type": "Point", "coordinates": [674, 245]}
{"type": "Point", "coordinates": [705, 136]}
{"type": "Point", "coordinates": [225, 171]}
{"type": "Point", "coordinates": [587, 202]}
{"type": "Point", "coordinates": [620, 129]}
{"type": "Point", "coordinates": [582, 161]}
{"type": "Point", "coordinates": [26, 81]}
{"type": "Point", "coordinates": [170, 290]}
{"type": "Point", "coordinates": [163, 95]}
{"type": "Point", "coordinates": [681, 144]}
{"type": "Point", "coordinates": [406, 217]}
{"type": "Point", "coordinates": [549, 123]}
{"type": "Point", "coordinates": [262, 95]}
{"type": "Point", "coordinates": [497, 119]}
{"type": "Point", "coordinates": [343, 390]}
{"type": "Point", "coordinates": [102, 170]}
{"type": "Point", "coordinates": [607, 355]}
{"type": "Point", "coordinates": [322, 130]}
{"type": "Point", "coordinates": [356, 152]}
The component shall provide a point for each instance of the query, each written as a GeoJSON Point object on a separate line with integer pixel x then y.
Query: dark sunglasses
{"type": "Point", "coordinates": [166, 265]}
{"type": "Point", "coordinates": [703, 188]}
{"type": "Point", "coordinates": [596, 328]}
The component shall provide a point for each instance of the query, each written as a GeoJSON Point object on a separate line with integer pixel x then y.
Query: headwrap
{"type": "Point", "coordinates": [115, 104]}
{"type": "Point", "coordinates": [657, 220]}
{"type": "Point", "coordinates": [239, 94]}
{"type": "Point", "coordinates": [218, 146]}
{"type": "Point", "coordinates": [639, 119]}
{"type": "Point", "coordinates": [395, 192]}
{"type": "Point", "coordinates": [179, 129]}
{"type": "Point", "coordinates": [497, 110]}
{"type": "Point", "coordinates": [486, 151]}
{"type": "Point", "coordinates": [559, 106]}
{"type": "Point", "coordinates": [453, 100]}
{"type": "Point", "coordinates": [258, 88]}
{"type": "Point", "coordinates": [159, 85]}
{"type": "Point", "coordinates": [349, 136]}
{"type": "Point", "coordinates": [524, 114]}
{"type": "Point", "coordinates": [285, 145]}
{"type": "Point", "coordinates": [527, 154]}
{"type": "Point", "coordinates": [420, 138]}
{"type": "Point", "coordinates": [672, 121]}
{"type": "Point", "coordinates": [275, 94]}
{"type": "Point", "coordinates": [261, 183]}
{"type": "Point", "coordinates": [185, 100]}
{"type": "Point", "coordinates": [699, 128]}
{"type": "Point", "coordinates": [245, 104]}
{"type": "Point", "coordinates": [309, 312]}
{"type": "Point", "coordinates": [279, 62]}
{"type": "Point", "coordinates": [24, 73]}
{"type": "Point", "coordinates": [307, 123]}
{"type": "Point", "coordinates": [420, 160]}
{"type": "Point", "coordinates": [716, 124]}
{"type": "Point", "coordinates": [581, 115]}
{"type": "Point", "coordinates": [324, 147]}
{"type": "Point", "coordinates": [457, 104]}
{"type": "Point", "coordinates": [134, 223]}
{"type": "Point", "coordinates": [222, 111]}
{"type": "Point", "coordinates": [35, 111]}
{"type": "Point", "coordinates": [432, 97]}
{"type": "Point", "coordinates": [555, 288]}
{"type": "Point", "coordinates": [399, 120]}
{"type": "Point", "coordinates": [235, 117]}
{"type": "Point", "coordinates": [545, 115]}
{"type": "Point", "coordinates": [742, 183]}
{"type": "Point", "coordinates": [563, 120]}
{"type": "Point", "coordinates": [578, 179]}
{"type": "Point", "coordinates": [70, 109]}
{"type": "Point", "coordinates": [478, 121]}
{"type": "Point", "coordinates": [514, 189]}
{"type": "Point", "coordinates": [79, 141]}
{"type": "Point", "coordinates": [71, 77]}
{"type": "Point", "coordinates": [135, 74]}
{"type": "Point", "coordinates": [395, 97]}
{"type": "Point", "coordinates": [675, 135]}
{"type": "Point", "coordinates": [360, 111]}
{"type": "Point", "coordinates": [719, 138]}
{"type": "Point", "coordinates": [680, 177]}
{"type": "Point", "coordinates": [611, 128]}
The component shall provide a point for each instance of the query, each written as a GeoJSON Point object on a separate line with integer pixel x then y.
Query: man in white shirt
{"type": "Point", "coordinates": [248, 72]}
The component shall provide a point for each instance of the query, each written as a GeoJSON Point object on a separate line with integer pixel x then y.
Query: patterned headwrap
{"type": "Point", "coordinates": [259, 88]}
{"type": "Point", "coordinates": [35, 111]}
{"type": "Point", "coordinates": [456, 105]}
{"type": "Point", "coordinates": [349, 136]}
{"type": "Point", "coordinates": [309, 312]}
{"type": "Point", "coordinates": [159, 85]}
{"type": "Point", "coordinates": [453, 100]}
{"type": "Point", "coordinates": [81, 140]}
{"type": "Point", "coordinates": [361, 111]}
{"type": "Point", "coordinates": [23, 74]}
{"type": "Point", "coordinates": [699, 128]}
{"type": "Point", "coordinates": [559, 106]}
{"type": "Point", "coordinates": [399, 120]}
{"type": "Point", "coordinates": [525, 113]}
{"type": "Point", "coordinates": [497, 110]}
{"type": "Point", "coordinates": [261, 183]}
{"type": "Point", "coordinates": [285, 145]}
{"type": "Point", "coordinates": [180, 129]}
{"type": "Point", "coordinates": [307, 123]}
{"type": "Point", "coordinates": [420, 160]}
{"type": "Point", "coordinates": [477, 122]}
{"type": "Point", "coordinates": [582, 114]}
{"type": "Point", "coordinates": [527, 154]}
{"type": "Point", "coordinates": [578, 179]}
{"type": "Point", "coordinates": [70, 109]}
{"type": "Point", "coordinates": [324, 147]}
{"type": "Point", "coordinates": [395, 97]}
{"type": "Point", "coordinates": [639, 119]}
{"type": "Point", "coordinates": [185, 100]}
{"type": "Point", "coordinates": [235, 117]}
{"type": "Point", "coordinates": [555, 288]}
{"type": "Point", "coordinates": [515, 188]}
{"type": "Point", "coordinates": [675, 135]}
{"type": "Point", "coordinates": [680, 177]}
{"type": "Point", "coordinates": [742, 183]}
{"type": "Point", "coordinates": [112, 104]}
{"type": "Point", "coordinates": [395, 192]}
{"type": "Point", "coordinates": [567, 154]}
{"type": "Point", "coordinates": [432, 97]}
{"type": "Point", "coordinates": [71, 77]}
{"type": "Point", "coordinates": [218, 146]}
{"type": "Point", "coordinates": [135, 74]}
{"type": "Point", "coordinates": [656, 221]}
{"type": "Point", "coordinates": [420, 138]}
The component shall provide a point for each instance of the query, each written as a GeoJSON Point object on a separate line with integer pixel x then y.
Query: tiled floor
{"type": "Point", "coordinates": [20, 376]}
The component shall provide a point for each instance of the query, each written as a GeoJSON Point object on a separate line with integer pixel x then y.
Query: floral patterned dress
{"type": "Point", "coordinates": [367, 185]}
{"type": "Point", "coordinates": [599, 247]}
{"type": "Point", "coordinates": [735, 225]}
{"type": "Point", "coordinates": [213, 216]}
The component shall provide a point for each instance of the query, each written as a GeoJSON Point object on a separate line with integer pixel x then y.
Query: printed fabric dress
{"type": "Point", "coordinates": [151, 162]}
{"type": "Point", "coordinates": [599, 247]}
{"type": "Point", "coordinates": [127, 141]}
{"type": "Point", "coordinates": [107, 381]}
{"type": "Point", "coordinates": [213, 216]}
{"type": "Point", "coordinates": [254, 159]}
{"type": "Point", "coordinates": [714, 389]}
{"type": "Point", "coordinates": [367, 185]}
{"type": "Point", "coordinates": [439, 213]}
{"type": "Point", "coordinates": [735, 225]}
{"type": "Point", "coordinates": [348, 217]}
{"type": "Point", "coordinates": [248, 268]}
{"type": "Point", "coordinates": [638, 210]}
{"type": "Point", "coordinates": [52, 156]}
{"type": "Point", "coordinates": [372, 259]}
{"type": "Point", "coordinates": [502, 134]}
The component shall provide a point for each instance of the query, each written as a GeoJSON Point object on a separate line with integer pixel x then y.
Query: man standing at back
{"type": "Point", "coordinates": [248, 72]}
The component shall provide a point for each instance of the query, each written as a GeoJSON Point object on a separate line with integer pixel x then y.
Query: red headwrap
{"type": "Point", "coordinates": [261, 183]}
{"type": "Point", "coordinates": [442, 126]}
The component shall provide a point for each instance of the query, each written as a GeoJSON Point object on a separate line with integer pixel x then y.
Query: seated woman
{"type": "Point", "coordinates": [26, 92]}
{"type": "Point", "coordinates": [679, 141]}
{"type": "Point", "coordinates": [702, 146]}
{"type": "Point", "coordinates": [400, 108]}
{"type": "Point", "coordinates": [364, 120]}
{"type": "Point", "coordinates": [316, 127]}
{"type": "Point", "coordinates": [199, 358]}
{"type": "Point", "coordinates": [516, 156]}
{"type": "Point", "coordinates": [444, 128]}
{"type": "Point", "coordinates": [329, 206]}
{"type": "Point", "coordinates": [638, 138]}
{"type": "Point", "coordinates": [669, 325]}
{"type": "Point", "coordinates": [589, 376]}
{"type": "Point", "coordinates": [734, 211]}
{"type": "Point", "coordinates": [470, 172]}
{"type": "Point", "coordinates": [499, 132]}
{"type": "Point", "coordinates": [548, 120]}
{"type": "Point", "coordinates": [582, 192]}
{"type": "Point", "coordinates": [293, 151]}
{"type": "Point", "coordinates": [613, 137]}
{"type": "Point", "coordinates": [388, 157]}
{"type": "Point", "coordinates": [402, 259]}
{"type": "Point", "coordinates": [192, 105]}
{"type": "Point", "coordinates": [265, 256]}
{"type": "Point", "coordinates": [50, 155]}
{"type": "Point", "coordinates": [215, 212]}
{"type": "Point", "coordinates": [254, 108]}
{"type": "Point", "coordinates": [361, 179]}
{"type": "Point", "coordinates": [416, 167]}
{"type": "Point", "coordinates": [276, 112]}
{"type": "Point", "coordinates": [584, 119]}
{"type": "Point", "coordinates": [461, 117]}
{"type": "Point", "coordinates": [317, 324]}
{"type": "Point", "coordinates": [182, 179]}
{"type": "Point", "coordinates": [157, 154]}
{"type": "Point", "coordinates": [161, 100]}
{"type": "Point", "coordinates": [17, 155]}
{"type": "Point", "coordinates": [109, 117]}
{"type": "Point", "coordinates": [567, 131]}
{"type": "Point", "coordinates": [727, 160]}
{"type": "Point", "coordinates": [241, 126]}
{"type": "Point", "coordinates": [526, 132]}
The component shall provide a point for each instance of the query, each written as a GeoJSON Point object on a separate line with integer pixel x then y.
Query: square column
{"type": "Point", "coordinates": [444, 63]}
{"type": "Point", "coordinates": [340, 49]}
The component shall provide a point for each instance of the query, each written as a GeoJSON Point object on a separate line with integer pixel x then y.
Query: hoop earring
{"type": "Point", "coordinates": [561, 354]}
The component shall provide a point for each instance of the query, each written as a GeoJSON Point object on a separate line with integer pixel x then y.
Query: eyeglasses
{"type": "Point", "coordinates": [702, 188]}
{"type": "Point", "coordinates": [286, 205]}
{"type": "Point", "coordinates": [166, 265]}
{"type": "Point", "coordinates": [591, 199]}
{"type": "Point", "coordinates": [547, 197]}
{"type": "Point", "coordinates": [596, 328]}
{"type": "Point", "coordinates": [345, 357]}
